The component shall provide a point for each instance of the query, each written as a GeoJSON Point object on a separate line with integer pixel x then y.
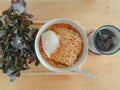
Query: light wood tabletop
{"type": "Point", "coordinates": [90, 14]}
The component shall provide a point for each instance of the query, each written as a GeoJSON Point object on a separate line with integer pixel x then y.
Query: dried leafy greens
{"type": "Point", "coordinates": [16, 43]}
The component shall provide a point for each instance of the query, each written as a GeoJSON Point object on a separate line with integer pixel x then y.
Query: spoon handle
{"type": "Point", "coordinates": [84, 73]}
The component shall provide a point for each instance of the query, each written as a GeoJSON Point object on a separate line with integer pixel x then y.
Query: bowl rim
{"type": "Point", "coordinates": [77, 26]}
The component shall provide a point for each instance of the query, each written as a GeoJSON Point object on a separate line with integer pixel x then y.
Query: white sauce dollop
{"type": "Point", "coordinates": [50, 42]}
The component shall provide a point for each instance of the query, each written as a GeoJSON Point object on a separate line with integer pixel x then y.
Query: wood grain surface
{"type": "Point", "coordinates": [91, 14]}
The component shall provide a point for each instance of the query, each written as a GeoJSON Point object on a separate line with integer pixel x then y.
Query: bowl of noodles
{"type": "Point", "coordinates": [61, 45]}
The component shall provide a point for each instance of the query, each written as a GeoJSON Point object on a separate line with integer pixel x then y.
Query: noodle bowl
{"type": "Point", "coordinates": [70, 48]}
{"type": "Point", "coordinates": [70, 45]}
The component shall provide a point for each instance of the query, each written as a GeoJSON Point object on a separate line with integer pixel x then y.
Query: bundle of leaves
{"type": "Point", "coordinates": [16, 43]}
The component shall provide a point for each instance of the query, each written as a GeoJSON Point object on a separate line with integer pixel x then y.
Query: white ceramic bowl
{"type": "Point", "coordinates": [78, 27]}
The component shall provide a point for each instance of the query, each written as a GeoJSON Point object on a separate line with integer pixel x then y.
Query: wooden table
{"type": "Point", "coordinates": [91, 14]}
